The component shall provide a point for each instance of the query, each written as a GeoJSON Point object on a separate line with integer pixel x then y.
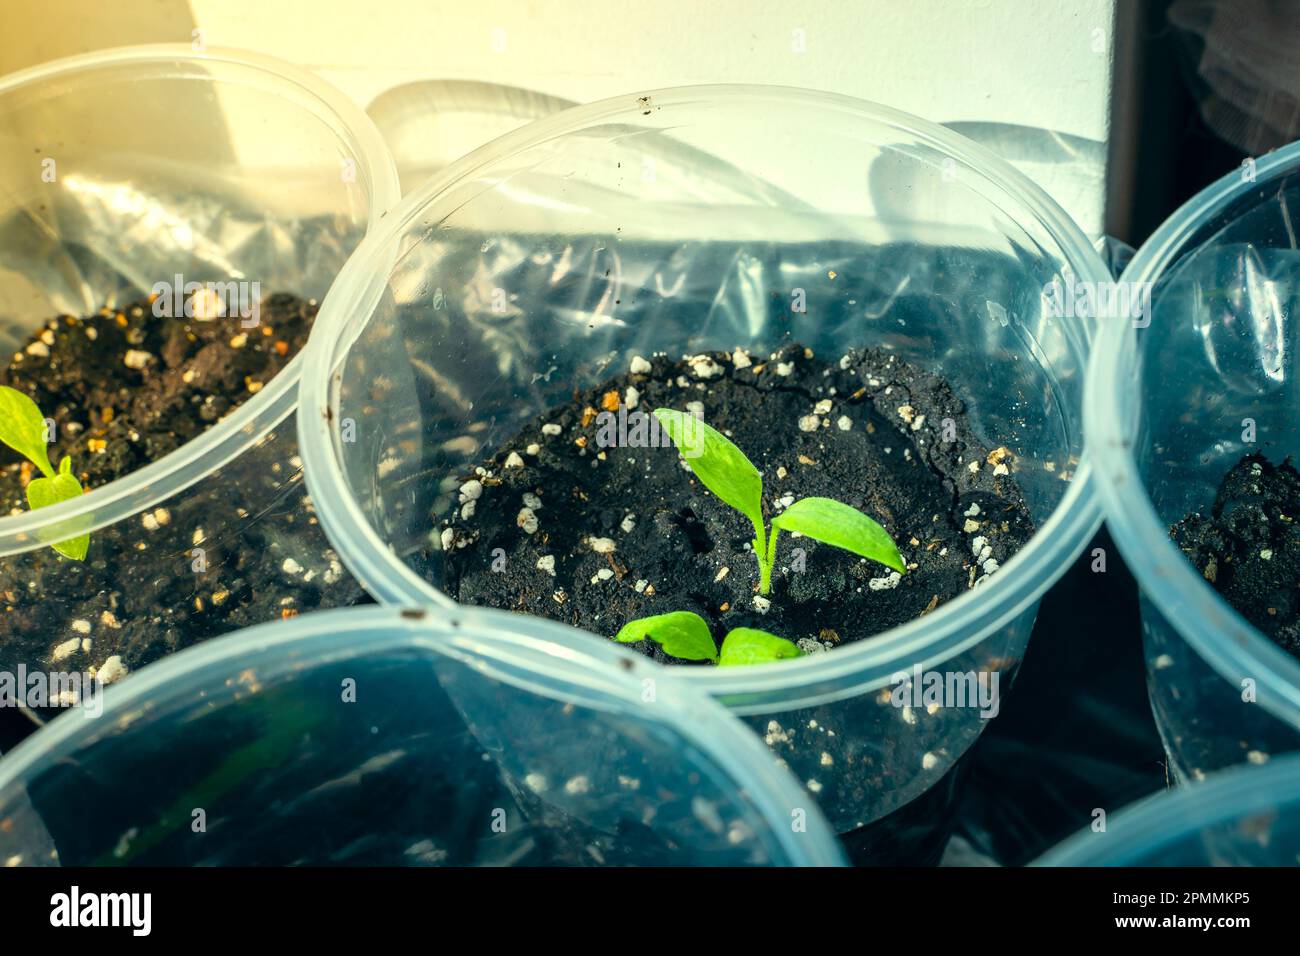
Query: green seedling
{"type": "Point", "coordinates": [725, 471]}
{"type": "Point", "coordinates": [23, 428]}
{"type": "Point", "coordinates": [686, 635]}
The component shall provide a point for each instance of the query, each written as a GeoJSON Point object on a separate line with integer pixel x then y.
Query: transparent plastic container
{"type": "Point", "coordinates": [1246, 816]}
{"type": "Point", "coordinates": [681, 220]}
{"type": "Point", "coordinates": [1166, 410]}
{"type": "Point", "coordinates": [380, 736]}
{"type": "Point", "coordinates": [124, 169]}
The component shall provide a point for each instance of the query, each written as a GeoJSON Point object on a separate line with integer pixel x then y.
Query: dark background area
{"type": "Point", "coordinates": [1175, 153]}
{"type": "Point", "coordinates": [1076, 732]}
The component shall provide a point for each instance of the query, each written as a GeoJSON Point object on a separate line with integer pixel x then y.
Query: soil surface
{"type": "Point", "coordinates": [563, 524]}
{"type": "Point", "coordinates": [124, 388]}
{"type": "Point", "coordinates": [1248, 546]}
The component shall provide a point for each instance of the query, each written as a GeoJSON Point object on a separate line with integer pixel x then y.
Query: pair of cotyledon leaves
{"type": "Point", "coordinates": [686, 635]}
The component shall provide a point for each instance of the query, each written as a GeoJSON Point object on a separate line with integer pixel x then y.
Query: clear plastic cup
{"type": "Point", "coordinates": [380, 736]}
{"type": "Point", "coordinates": [1167, 405]}
{"type": "Point", "coordinates": [684, 220]}
{"type": "Point", "coordinates": [127, 168]}
{"type": "Point", "coordinates": [1246, 816]}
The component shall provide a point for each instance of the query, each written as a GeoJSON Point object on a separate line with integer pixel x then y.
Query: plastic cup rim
{"type": "Point", "coordinates": [1154, 821]}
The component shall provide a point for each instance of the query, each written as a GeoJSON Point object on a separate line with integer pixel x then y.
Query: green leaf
{"type": "Point", "coordinates": [720, 465]}
{"type": "Point", "coordinates": [64, 486]}
{"type": "Point", "coordinates": [682, 634]}
{"type": "Point", "coordinates": [834, 522]}
{"type": "Point", "coordinates": [749, 645]}
{"type": "Point", "coordinates": [22, 428]}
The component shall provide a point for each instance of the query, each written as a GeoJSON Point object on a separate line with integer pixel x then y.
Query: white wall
{"type": "Point", "coordinates": [1025, 62]}
{"type": "Point", "coordinates": [1018, 61]}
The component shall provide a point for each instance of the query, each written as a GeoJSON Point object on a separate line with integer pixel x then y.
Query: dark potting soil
{"type": "Point", "coordinates": [562, 524]}
{"type": "Point", "coordinates": [124, 388]}
{"type": "Point", "coordinates": [1248, 546]}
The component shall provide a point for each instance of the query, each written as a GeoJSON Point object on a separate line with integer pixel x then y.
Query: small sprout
{"type": "Point", "coordinates": [725, 471]}
{"type": "Point", "coordinates": [685, 634]}
{"type": "Point", "coordinates": [22, 428]}
{"type": "Point", "coordinates": [680, 633]}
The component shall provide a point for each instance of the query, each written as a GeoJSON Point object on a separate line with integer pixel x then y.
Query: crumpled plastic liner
{"type": "Point", "coordinates": [106, 243]}
{"type": "Point", "coordinates": [678, 293]}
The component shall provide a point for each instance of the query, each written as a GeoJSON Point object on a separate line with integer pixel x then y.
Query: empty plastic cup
{"type": "Point", "coordinates": [702, 219]}
{"type": "Point", "coordinates": [377, 736]}
{"type": "Point", "coordinates": [1176, 399]}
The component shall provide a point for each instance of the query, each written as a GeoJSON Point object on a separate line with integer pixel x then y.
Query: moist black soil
{"type": "Point", "coordinates": [1248, 546]}
{"type": "Point", "coordinates": [125, 388]}
{"type": "Point", "coordinates": [561, 524]}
